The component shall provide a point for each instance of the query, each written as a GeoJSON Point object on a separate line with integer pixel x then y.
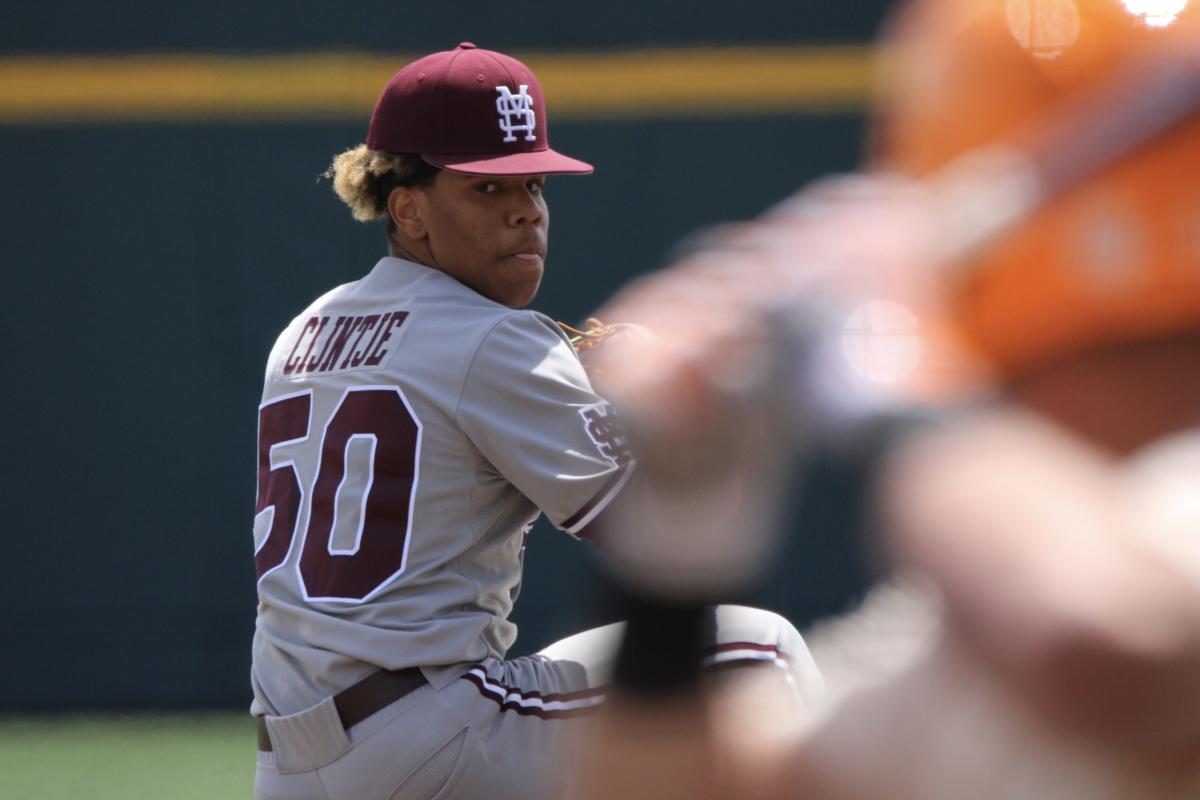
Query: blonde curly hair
{"type": "Point", "coordinates": [364, 178]}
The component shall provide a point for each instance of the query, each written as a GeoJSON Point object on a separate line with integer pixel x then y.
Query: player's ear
{"type": "Point", "coordinates": [404, 207]}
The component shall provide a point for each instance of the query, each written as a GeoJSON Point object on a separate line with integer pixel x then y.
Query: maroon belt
{"type": "Point", "coordinates": [371, 694]}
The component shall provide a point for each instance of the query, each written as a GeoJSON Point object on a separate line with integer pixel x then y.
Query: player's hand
{"type": "Point", "coordinates": [710, 442]}
{"type": "Point", "coordinates": [755, 351]}
{"type": "Point", "coordinates": [836, 289]}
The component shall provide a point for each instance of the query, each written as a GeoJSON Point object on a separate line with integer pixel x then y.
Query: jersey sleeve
{"type": "Point", "coordinates": [528, 406]}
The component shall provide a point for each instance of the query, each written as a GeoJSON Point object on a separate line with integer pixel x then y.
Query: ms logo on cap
{"type": "Point", "coordinates": [516, 113]}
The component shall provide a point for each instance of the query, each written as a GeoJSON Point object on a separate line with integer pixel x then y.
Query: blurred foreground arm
{"type": "Point", "coordinates": [1067, 663]}
{"type": "Point", "coordinates": [1071, 646]}
{"type": "Point", "coordinates": [1050, 574]}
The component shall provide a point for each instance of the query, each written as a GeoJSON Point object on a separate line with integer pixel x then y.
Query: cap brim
{"type": "Point", "coordinates": [541, 162]}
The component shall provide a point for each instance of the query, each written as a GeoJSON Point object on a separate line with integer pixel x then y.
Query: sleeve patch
{"type": "Point", "coordinates": [604, 428]}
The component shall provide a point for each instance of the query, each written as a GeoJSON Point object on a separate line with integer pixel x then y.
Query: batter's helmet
{"type": "Point", "coordinates": [1116, 258]}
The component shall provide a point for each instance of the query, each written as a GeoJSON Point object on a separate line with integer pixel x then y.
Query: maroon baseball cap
{"type": "Point", "coordinates": [469, 110]}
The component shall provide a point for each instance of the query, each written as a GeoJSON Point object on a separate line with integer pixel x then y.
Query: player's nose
{"type": "Point", "coordinates": [526, 209]}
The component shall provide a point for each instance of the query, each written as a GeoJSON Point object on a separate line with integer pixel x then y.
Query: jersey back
{"type": "Point", "coordinates": [409, 433]}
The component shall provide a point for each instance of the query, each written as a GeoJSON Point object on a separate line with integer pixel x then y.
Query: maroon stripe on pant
{"type": "Point", "coordinates": [489, 687]}
{"type": "Point", "coordinates": [488, 691]}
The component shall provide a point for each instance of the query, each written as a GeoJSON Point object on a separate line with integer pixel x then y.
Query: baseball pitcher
{"type": "Point", "coordinates": [414, 424]}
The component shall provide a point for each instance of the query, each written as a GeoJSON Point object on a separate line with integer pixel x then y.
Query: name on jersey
{"type": "Point", "coordinates": [332, 344]}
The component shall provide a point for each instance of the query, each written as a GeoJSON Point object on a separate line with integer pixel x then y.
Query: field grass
{"type": "Point", "coordinates": [160, 756]}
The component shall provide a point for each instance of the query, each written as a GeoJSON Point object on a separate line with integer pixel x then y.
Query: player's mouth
{"type": "Point", "coordinates": [532, 247]}
{"type": "Point", "coordinates": [529, 253]}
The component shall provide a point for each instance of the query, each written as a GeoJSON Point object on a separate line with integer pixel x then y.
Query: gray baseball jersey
{"type": "Point", "coordinates": [409, 433]}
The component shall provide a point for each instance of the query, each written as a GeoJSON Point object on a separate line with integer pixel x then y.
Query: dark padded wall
{"type": "Point", "coordinates": [142, 25]}
{"type": "Point", "coordinates": [149, 267]}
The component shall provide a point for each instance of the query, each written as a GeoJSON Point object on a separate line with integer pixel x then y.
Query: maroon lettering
{"type": "Point", "coordinates": [378, 353]}
{"type": "Point", "coordinates": [309, 363]}
{"type": "Point", "coordinates": [354, 357]}
{"type": "Point", "coordinates": [290, 365]}
{"type": "Point", "coordinates": [312, 367]}
{"type": "Point", "coordinates": [279, 421]}
{"type": "Point", "coordinates": [384, 524]}
{"type": "Point", "coordinates": [383, 323]}
{"type": "Point", "coordinates": [337, 343]}
{"type": "Point", "coordinates": [379, 556]}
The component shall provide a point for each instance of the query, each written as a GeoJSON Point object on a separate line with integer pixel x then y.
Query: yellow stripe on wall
{"type": "Point", "coordinates": [707, 82]}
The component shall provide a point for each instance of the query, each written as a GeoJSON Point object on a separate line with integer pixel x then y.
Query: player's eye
{"type": "Point", "coordinates": [535, 185]}
{"type": "Point", "coordinates": [487, 187]}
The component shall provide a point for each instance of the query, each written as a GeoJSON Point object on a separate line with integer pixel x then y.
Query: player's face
{"type": "Point", "coordinates": [489, 232]}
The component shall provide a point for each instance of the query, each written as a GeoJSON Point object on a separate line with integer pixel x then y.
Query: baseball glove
{"type": "Point", "coordinates": [595, 333]}
{"type": "Point", "coordinates": [587, 342]}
